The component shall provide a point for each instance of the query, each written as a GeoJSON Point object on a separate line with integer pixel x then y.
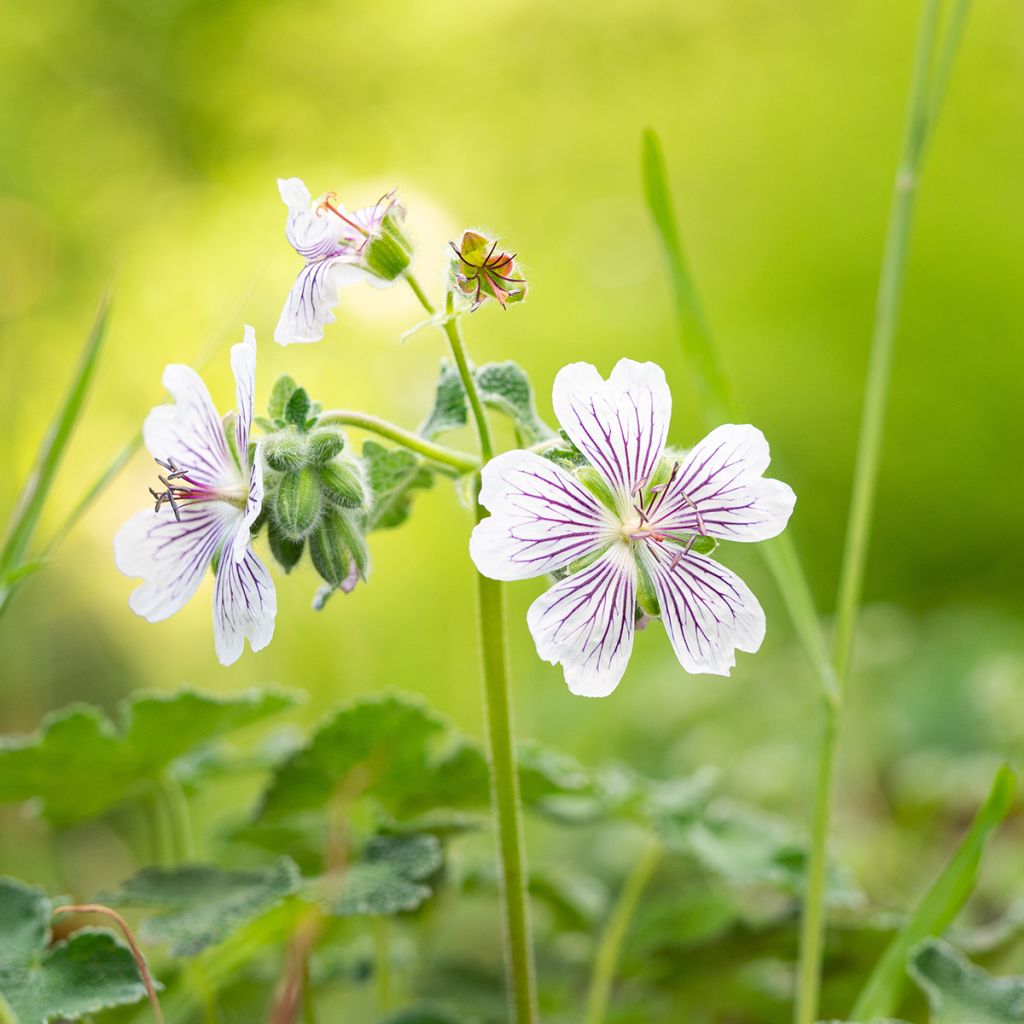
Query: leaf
{"type": "Point", "coordinates": [296, 411]}
{"type": "Point", "coordinates": [507, 388]}
{"type": "Point", "coordinates": [280, 395]}
{"type": "Point", "coordinates": [389, 878]}
{"type": "Point", "coordinates": [694, 332]}
{"type": "Point", "coordinates": [37, 488]}
{"type": "Point", "coordinates": [393, 474]}
{"type": "Point", "coordinates": [959, 992]}
{"type": "Point", "coordinates": [451, 409]}
{"type": "Point", "coordinates": [939, 905]}
{"type": "Point", "coordinates": [40, 982]}
{"type": "Point", "coordinates": [422, 1015]}
{"type": "Point", "coordinates": [204, 904]}
{"type": "Point", "coordinates": [118, 758]}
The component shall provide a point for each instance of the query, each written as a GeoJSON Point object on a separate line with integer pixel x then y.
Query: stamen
{"type": "Point", "coordinates": [327, 203]}
{"type": "Point", "coordinates": [173, 492]}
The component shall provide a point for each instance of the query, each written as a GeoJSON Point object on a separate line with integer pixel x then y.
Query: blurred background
{"type": "Point", "coordinates": [142, 140]}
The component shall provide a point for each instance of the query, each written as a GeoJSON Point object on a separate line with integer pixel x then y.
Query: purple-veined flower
{"type": "Point", "coordinates": [338, 246]}
{"type": "Point", "coordinates": [213, 492]}
{"type": "Point", "coordinates": [631, 532]}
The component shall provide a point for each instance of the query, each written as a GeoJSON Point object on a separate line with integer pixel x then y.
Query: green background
{"type": "Point", "coordinates": [142, 140]}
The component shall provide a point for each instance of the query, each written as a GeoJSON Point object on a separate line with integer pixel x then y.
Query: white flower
{"type": "Point", "coordinates": [212, 496]}
{"type": "Point", "coordinates": [543, 519]}
{"type": "Point", "coordinates": [333, 242]}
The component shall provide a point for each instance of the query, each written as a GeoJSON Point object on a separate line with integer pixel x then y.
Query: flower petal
{"type": "Point", "coordinates": [171, 556]}
{"type": "Point", "coordinates": [310, 303]}
{"type": "Point", "coordinates": [721, 479]}
{"type": "Point", "coordinates": [243, 365]}
{"type": "Point", "coordinates": [253, 505]}
{"type": "Point", "coordinates": [190, 431]}
{"type": "Point", "coordinates": [541, 519]}
{"type": "Point", "coordinates": [244, 607]}
{"type": "Point", "coordinates": [314, 234]}
{"type": "Point", "coordinates": [620, 424]}
{"type": "Point", "coordinates": [708, 611]}
{"type": "Point", "coordinates": [585, 623]}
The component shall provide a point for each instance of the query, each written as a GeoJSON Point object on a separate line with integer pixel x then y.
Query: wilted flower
{"type": "Point", "coordinates": [213, 492]}
{"type": "Point", "coordinates": [340, 247]}
{"type": "Point", "coordinates": [627, 527]}
{"type": "Point", "coordinates": [480, 271]}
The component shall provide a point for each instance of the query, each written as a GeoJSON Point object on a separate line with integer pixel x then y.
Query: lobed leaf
{"type": "Point", "coordinates": [507, 388]}
{"type": "Point", "coordinates": [394, 475]}
{"type": "Point", "coordinates": [118, 758]}
{"type": "Point", "coordinates": [959, 992]}
{"type": "Point", "coordinates": [451, 407]}
{"type": "Point", "coordinates": [204, 904]}
{"type": "Point", "coordinates": [90, 971]}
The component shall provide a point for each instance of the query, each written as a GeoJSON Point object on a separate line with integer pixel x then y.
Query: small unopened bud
{"type": "Point", "coordinates": [297, 504]}
{"type": "Point", "coordinates": [286, 552]}
{"type": "Point", "coordinates": [481, 271]}
{"type": "Point", "coordinates": [329, 551]}
{"type": "Point", "coordinates": [324, 443]}
{"type": "Point", "coordinates": [342, 484]}
{"type": "Point", "coordinates": [285, 451]}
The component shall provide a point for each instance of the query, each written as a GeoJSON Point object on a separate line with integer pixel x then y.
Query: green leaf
{"type": "Point", "coordinates": [393, 474]}
{"type": "Point", "coordinates": [118, 759]}
{"type": "Point", "coordinates": [40, 982]}
{"type": "Point", "coordinates": [280, 395]}
{"type": "Point", "coordinates": [389, 878]}
{"type": "Point", "coordinates": [940, 904]}
{"type": "Point", "coordinates": [961, 993]}
{"type": "Point", "coordinates": [296, 412]}
{"type": "Point", "coordinates": [422, 1015]}
{"type": "Point", "coordinates": [33, 495]}
{"type": "Point", "coordinates": [204, 904]}
{"type": "Point", "coordinates": [694, 332]}
{"type": "Point", "coordinates": [451, 408]}
{"type": "Point", "coordinates": [507, 388]}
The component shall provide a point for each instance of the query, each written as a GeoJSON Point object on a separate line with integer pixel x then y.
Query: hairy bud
{"type": "Point", "coordinates": [323, 444]}
{"type": "Point", "coordinates": [285, 451]}
{"type": "Point", "coordinates": [342, 484]}
{"type": "Point", "coordinates": [297, 504]}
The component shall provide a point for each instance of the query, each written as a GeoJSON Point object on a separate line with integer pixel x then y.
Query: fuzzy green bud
{"type": "Point", "coordinates": [342, 484]}
{"type": "Point", "coordinates": [286, 552]}
{"type": "Point", "coordinates": [285, 451]}
{"type": "Point", "coordinates": [388, 251]}
{"type": "Point", "coordinates": [329, 552]}
{"type": "Point", "coordinates": [324, 443]}
{"type": "Point", "coordinates": [297, 504]}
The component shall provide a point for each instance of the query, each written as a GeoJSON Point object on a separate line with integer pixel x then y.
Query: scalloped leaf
{"type": "Point", "coordinates": [507, 388]}
{"type": "Point", "coordinates": [389, 878]}
{"type": "Point", "coordinates": [118, 758]}
{"type": "Point", "coordinates": [958, 991]}
{"type": "Point", "coordinates": [204, 904]}
{"type": "Point", "coordinates": [394, 476]}
{"type": "Point", "coordinates": [90, 971]}
{"type": "Point", "coordinates": [451, 409]}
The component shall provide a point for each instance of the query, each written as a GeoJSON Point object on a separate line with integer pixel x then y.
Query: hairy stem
{"type": "Point", "coordinates": [610, 947]}
{"type": "Point", "coordinates": [140, 960]}
{"type": "Point", "coordinates": [450, 457]}
{"type": "Point", "coordinates": [923, 108]}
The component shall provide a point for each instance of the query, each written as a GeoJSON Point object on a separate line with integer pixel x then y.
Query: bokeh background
{"type": "Point", "coordinates": [142, 140]}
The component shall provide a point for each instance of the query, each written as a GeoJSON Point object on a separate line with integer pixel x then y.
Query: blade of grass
{"type": "Point", "coordinates": [29, 507]}
{"type": "Point", "coordinates": [938, 907]}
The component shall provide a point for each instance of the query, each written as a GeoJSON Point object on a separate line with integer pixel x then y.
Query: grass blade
{"type": "Point", "coordinates": [37, 488]}
{"type": "Point", "coordinates": [939, 906]}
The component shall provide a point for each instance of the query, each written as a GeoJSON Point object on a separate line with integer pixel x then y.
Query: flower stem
{"type": "Point", "coordinates": [608, 951]}
{"type": "Point", "coordinates": [923, 109]}
{"type": "Point", "coordinates": [459, 461]}
{"type": "Point", "coordinates": [451, 329]}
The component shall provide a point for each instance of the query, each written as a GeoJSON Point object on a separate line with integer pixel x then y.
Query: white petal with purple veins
{"type": "Point", "coordinates": [253, 505]}
{"type": "Point", "coordinates": [190, 432]}
{"type": "Point", "coordinates": [619, 424]}
{"type": "Point", "coordinates": [244, 607]}
{"type": "Point", "coordinates": [585, 623]}
{"type": "Point", "coordinates": [720, 487]}
{"type": "Point", "coordinates": [315, 235]}
{"type": "Point", "coordinates": [708, 611]}
{"type": "Point", "coordinates": [243, 365]}
{"type": "Point", "coordinates": [170, 556]}
{"type": "Point", "coordinates": [310, 304]}
{"type": "Point", "coordinates": [541, 519]}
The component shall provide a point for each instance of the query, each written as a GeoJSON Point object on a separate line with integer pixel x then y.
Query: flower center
{"type": "Point", "coordinates": [181, 490]}
{"type": "Point", "coordinates": [327, 203]}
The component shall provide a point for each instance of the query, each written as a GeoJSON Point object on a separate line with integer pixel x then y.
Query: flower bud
{"type": "Point", "coordinates": [342, 484]}
{"type": "Point", "coordinates": [324, 443]}
{"type": "Point", "coordinates": [286, 552]}
{"type": "Point", "coordinates": [285, 451]}
{"type": "Point", "coordinates": [481, 271]}
{"type": "Point", "coordinates": [297, 504]}
{"type": "Point", "coordinates": [329, 552]}
{"type": "Point", "coordinates": [388, 251]}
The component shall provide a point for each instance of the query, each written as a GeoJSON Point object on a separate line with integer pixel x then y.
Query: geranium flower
{"type": "Point", "coordinates": [338, 247]}
{"type": "Point", "coordinates": [630, 532]}
{"type": "Point", "coordinates": [213, 492]}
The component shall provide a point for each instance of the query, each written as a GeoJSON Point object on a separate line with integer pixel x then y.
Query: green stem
{"type": "Point", "coordinates": [382, 963]}
{"type": "Point", "coordinates": [179, 817]}
{"type": "Point", "coordinates": [459, 461]}
{"type": "Point", "coordinates": [608, 951]}
{"type": "Point", "coordinates": [451, 330]}
{"type": "Point", "coordinates": [420, 294]}
{"type": "Point", "coordinates": [923, 108]}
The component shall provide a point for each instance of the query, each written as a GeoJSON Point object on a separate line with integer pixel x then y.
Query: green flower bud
{"type": "Point", "coordinates": [286, 552]}
{"type": "Point", "coordinates": [285, 451]}
{"type": "Point", "coordinates": [388, 251]}
{"type": "Point", "coordinates": [329, 551]}
{"type": "Point", "coordinates": [297, 504]}
{"type": "Point", "coordinates": [342, 484]}
{"type": "Point", "coordinates": [324, 443]}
